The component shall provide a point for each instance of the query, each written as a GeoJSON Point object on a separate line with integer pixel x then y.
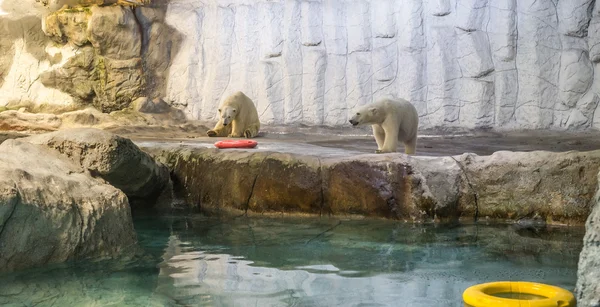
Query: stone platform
{"type": "Point", "coordinates": [351, 141]}
{"type": "Point", "coordinates": [547, 177]}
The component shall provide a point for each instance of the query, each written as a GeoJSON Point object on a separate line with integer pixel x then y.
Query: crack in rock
{"type": "Point", "coordinates": [464, 171]}
{"type": "Point", "coordinates": [14, 208]}
{"type": "Point", "coordinates": [254, 183]}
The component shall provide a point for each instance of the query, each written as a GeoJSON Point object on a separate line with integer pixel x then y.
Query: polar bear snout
{"type": "Point", "coordinates": [226, 121]}
{"type": "Point", "coordinates": [353, 122]}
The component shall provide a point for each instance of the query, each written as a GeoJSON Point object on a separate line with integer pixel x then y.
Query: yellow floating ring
{"type": "Point", "coordinates": [482, 295]}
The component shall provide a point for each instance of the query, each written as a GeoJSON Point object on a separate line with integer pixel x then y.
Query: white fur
{"type": "Point", "coordinates": [237, 118]}
{"type": "Point", "coordinates": [393, 121]}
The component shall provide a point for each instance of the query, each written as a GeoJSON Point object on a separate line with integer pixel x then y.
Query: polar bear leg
{"type": "Point", "coordinates": [219, 130]}
{"type": "Point", "coordinates": [379, 134]}
{"type": "Point", "coordinates": [235, 129]}
{"type": "Point", "coordinates": [251, 132]}
{"type": "Point", "coordinates": [410, 146]}
{"type": "Point", "coordinates": [390, 143]}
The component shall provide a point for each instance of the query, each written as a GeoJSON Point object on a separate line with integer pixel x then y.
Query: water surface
{"type": "Point", "coordinates": [201, 261]}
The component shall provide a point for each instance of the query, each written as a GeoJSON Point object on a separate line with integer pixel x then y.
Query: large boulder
{"type": "Point", "coordinates": [588, 275]}
{"type": "Point", "coordinates": [52, 210]}
{"type": "Point", "coordinates": [544, 187]}
{"type": "Point", "coordinates": [267, 182]}
{"type": "Point", "coordinates": [115, 159]}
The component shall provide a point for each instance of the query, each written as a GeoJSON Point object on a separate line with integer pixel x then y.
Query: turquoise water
{"type": "Point", "coordinates": [201, 261]}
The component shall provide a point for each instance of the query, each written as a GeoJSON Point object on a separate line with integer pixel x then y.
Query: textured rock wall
{"type": "Point", "coordinates": [542, 186]}
{"type": "Point", "coordinates": [588, 275]}
{"type": "Point", "coordinates": [83, 55]}
{"type": "Point", "coordinates": [473, 63]}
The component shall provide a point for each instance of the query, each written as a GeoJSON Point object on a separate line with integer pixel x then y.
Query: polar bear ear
{"type": "Point", "coordinates": [373, 111]}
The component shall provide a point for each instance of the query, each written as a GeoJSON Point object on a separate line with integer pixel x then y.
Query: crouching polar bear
{"type": "Point", "coordinates": [237, 118]}
{"type": "Point", "coordinates": [392, 120]}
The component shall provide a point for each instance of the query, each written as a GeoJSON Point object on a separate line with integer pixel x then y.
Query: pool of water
{"type": "Point", "coordinates": [202, 261]}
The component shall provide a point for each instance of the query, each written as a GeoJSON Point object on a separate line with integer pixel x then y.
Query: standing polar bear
{"type": "Point", "coordinates": [392, 120]}
{"type": "Point", "coordinates": [237, 118]}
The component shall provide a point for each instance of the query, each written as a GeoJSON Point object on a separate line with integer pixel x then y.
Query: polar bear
{"type": "Point", "coordinates": [392, 120]}
{"type": "Point", "coordinates": [237, 118]}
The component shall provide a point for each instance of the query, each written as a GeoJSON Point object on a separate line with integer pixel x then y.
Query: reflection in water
{"type": "Point", "coordinates": [199, 261]}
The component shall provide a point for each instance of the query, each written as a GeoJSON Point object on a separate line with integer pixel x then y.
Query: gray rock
{"type": "Point", "coordinates": [474, 58]}
{"type": "Point", "coordinates": [574, 17]}
{"type": "Point", "coordinates": [270, 67]}
{"type": "Point", "coordinates": [512, 185]}
{"type": "Point", "coordinates": [292, 60]}
{"type": "Point", "coordinates": [357, 23]}
{"type": "Point", "coordinates": [86, 117]}
{"type": "Point", "coordinates": [502, 31]}
{"type": "Point", "coordinates": [75, 77]}
{"type": "Point", "coordinates": [145, 105]}
{"type": "Point", "coordinates": [334, 19]}
{"type": "Point", "coordinates": [160, 44]}
{"type": "Point", "coordinates": [115, 159]}
{"type": "Point", "coordinates": [68, 27]}
{"type": "Point", "coordinates": [52, 210]}
{"type": "Point", "coordinates": [441, 8]}
{"type": "Point", "coordinates": [575, 77]}
{"type": "Point", "coordinates": [537, 64]}
{"type": "Point", "coordinates": [312, 20]}
{"type": "Point", "coordinates": [313, 112]}
{"type": "Point", "coordinates": [594, 34]}
{"type": "Point", "coordinates": [114, 32]}
{"type": "Point", "coordinates": [384, 186]}
{"type": "Point", "coordinates": [119, 82]}
{"type": "Point", "coordinates": [476, 102]}
{"type": "Point", "coordinates": [588, 275]}
{"type": "Point", "coordinates": [471, 14]}
{"type": "Point", "coordinates": [442, 178]}
{"type": "Point", "coordinates": [577, 119]}
{"type": "Point", "coordinates": [160, 106]}
{"type": "Point", "coordinates": [588, 104]}
{"type": "Point", "coordinates": [505, 92]}
{"type": "Point", "coordinates": [545, 186]}
{"type": "Point", "coordinates": [106, 67]}
{"type": "Point", "coordinates": [10, 135]}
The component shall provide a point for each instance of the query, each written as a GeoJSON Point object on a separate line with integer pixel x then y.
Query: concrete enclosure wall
{"type": "Point", "coordinates": [463, 63]}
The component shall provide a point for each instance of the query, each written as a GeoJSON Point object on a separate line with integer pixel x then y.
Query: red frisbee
{"type": "Point", "coordinates": [236, 144]}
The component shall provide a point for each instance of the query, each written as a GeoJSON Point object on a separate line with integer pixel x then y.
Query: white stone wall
{"type": "Point", "coordinates": [505, 64]}
{"type": "Point", "coordinates": [463, 63]}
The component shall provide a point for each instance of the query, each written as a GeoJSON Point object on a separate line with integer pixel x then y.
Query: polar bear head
{"type": "Point", "coordinates": [228, 114]}
{"type": "Point", "coordinates": [365, 116]}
